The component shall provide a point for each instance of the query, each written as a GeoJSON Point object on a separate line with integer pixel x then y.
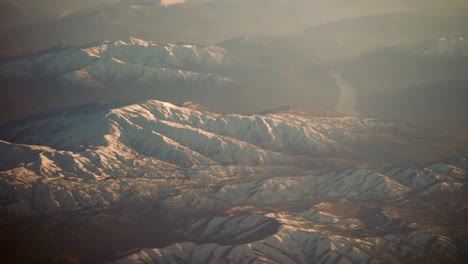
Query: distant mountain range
{"type": "Point", "coordinates": [232, 77]}
{"type": "Point", "coordinates": [423, 82]}
{"type": "Point", "coordinates": [353, 27]}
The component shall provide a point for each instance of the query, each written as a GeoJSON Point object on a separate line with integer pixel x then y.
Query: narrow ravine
{"type": "Point", "coordinates": [347, 102]}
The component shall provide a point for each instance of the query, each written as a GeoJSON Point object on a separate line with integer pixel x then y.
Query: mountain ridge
{"type": "Point", "coordinates": [231, 187]}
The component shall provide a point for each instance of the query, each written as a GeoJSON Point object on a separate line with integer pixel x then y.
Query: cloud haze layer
{"type": "Point", "coordinates": [285, 53]}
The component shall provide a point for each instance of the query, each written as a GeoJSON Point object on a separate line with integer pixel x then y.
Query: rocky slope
{"type": "Point", "coordinates": [113, 144]}
{"type": "Point", "coordinates": [259, 188]}
{"type": "Point", "coordinates": [299, 238]}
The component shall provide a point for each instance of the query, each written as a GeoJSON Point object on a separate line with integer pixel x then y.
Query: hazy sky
{"type": "Point", "coordinates": [390, 5]}
{"type": "Point", "coordinates": [29, 25]}
{"type": "Point", "coordinates": [298, 40]}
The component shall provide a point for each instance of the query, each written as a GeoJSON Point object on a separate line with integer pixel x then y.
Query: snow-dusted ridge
{"type": "Point", "coordinates": [120, 60]}
{"type": "Point", "coordinates": [248, 171]}
{"type": "Point", "coordinates": [206, 138]}
{"type": "Point", "coordinates": [125, 69]}
{"type": "Point", "coordinates": [244, 156]}
{"type": "Point", "coordinates": [300, 242]}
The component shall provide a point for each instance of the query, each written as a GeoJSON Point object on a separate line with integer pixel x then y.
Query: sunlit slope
{"type": "Point", "coordinates": [105, 147]}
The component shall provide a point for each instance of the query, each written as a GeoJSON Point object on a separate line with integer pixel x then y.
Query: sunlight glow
{"type": "Point", "coordinates": [171, 2]}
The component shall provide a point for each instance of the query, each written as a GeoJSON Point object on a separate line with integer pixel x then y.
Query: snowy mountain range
{"type": "Point", "coordinates": [239, 180]}
{"type": "Point", "coordinates": [302, 238]}
{"type": "Point", "coordinates": [218, 77]}
{"type": "Point", "coordinates": [104, 62]}
{"type": "Point", "coordinates": [233, 131]}
{"type": "Point", "coordinates": [129, 69]}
